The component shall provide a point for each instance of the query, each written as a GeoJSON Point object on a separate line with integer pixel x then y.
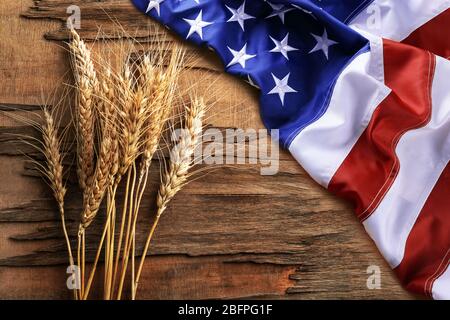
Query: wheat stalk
{"type": "Point", "coordinates": [98, 189]}
{"type": "Point", "coordinates": [176, 176]}
{"type": "Point", "coordinates": [107, 91]}
{"type": "Point", "coordinates": [106, 170]}
{"type": "Point", "coordinates": [106, 165]}
{"type": "Point", "coordinates": [128, 148]}
{"type": "Point", "coordinates": [95, 194]}
{"type": "Point", "coordinates": [134, 122]}
{"type": "Point", "coordinates": [54, 171]}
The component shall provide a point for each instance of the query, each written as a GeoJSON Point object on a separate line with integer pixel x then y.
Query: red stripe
{"type": "Point", "coordinates": [372, 165]}
{"type": "Point", "coordinates": [433, 36]}
{"type": "Point", "coordinates": [427, 252]}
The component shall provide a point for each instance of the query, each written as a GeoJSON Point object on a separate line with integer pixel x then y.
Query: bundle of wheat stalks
{"type": "Point", "coordinates": [120, 118]}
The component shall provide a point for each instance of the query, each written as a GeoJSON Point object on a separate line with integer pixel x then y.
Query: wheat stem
{"type": "Point", "coordinates": [79, 266]}
{"type": "Point", "coordinates": [83, 259]}
{"type": "Point", "coordinates": [125, 258]}
{"type": "Point", "coordinates": [109, 259]}
{"type": "Point", "coordinates": [97, 255]}
{"type": "Point", "coordinates": [146, 247]}
{"type": "Point", "coordinates": [107, 252]}
{"type": "Point", "coordinates": [133, 276]}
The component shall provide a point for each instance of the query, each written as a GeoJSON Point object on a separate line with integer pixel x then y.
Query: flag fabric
{"type": "Point", "coordinates": [360, 91]}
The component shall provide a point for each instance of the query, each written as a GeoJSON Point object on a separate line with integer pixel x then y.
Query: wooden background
{"type": "Point", "coordinates": [231, 234]}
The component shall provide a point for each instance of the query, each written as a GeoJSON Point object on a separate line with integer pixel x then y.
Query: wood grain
{"type": "Point", "coordinates": [231, 234]}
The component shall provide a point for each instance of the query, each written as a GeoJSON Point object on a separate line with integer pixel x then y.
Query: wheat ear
{"type": "Point", "coordinates": [163, 86]}
{"type": "Point", "coordinates": [132, 117]}
{"type": "Point", "coordinates": [102, 175]}
{"type": "Point", "coordinates": [176, 176]}
{"type": "Point", "coordinates": [87, 84]}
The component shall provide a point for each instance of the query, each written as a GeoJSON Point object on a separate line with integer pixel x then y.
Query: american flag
{"type": "Point", "coordinates": [360, 91]}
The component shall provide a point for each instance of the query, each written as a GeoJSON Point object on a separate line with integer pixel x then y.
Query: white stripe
{"type": "Point", "coordinates": [423, 154]}
{"type": "Point", "coordinates": [397, 19]}
{"type": "Point", "coordinates": [323, 145]}
{"type": "Point", "coordinates": [441, 287]}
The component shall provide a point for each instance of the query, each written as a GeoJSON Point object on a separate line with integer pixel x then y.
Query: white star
{"type": "Point", "coordinates": [239, 15]}
{"type": "Point", "coordinates": [282, 46]}
{"type": "Point", "coordinates": [240, 56]}
{"type": "Point", "coordinates": [278, 10]}
{"type": "Point", "coordinates": [323, 43]}
{"type": "Point", "coordinates": [197, 25]}
{"type": "Point", "coordinates": [154, 4]}
{"type": "Point", "coordinates": [281, 87]}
